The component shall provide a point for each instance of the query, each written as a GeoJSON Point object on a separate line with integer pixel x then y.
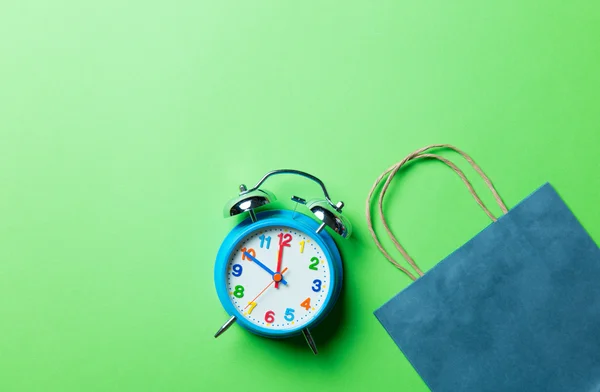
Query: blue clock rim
{"type": "Point", "coordinates": [295, 221]}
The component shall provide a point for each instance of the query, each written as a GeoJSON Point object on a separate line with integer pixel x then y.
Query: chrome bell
{"type": "Point", "coordinates": [331, 217]}
{"type": "Point", "coordinates": [248, 202]}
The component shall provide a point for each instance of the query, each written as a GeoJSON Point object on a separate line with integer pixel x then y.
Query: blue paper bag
{"type": "Point", "coordinates": [517, 308]}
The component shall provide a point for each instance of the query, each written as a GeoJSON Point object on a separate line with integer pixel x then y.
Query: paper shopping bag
{"type": "Point", "coordinates": [517, 308]}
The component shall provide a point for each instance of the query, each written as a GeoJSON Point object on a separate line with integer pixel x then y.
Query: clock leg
{"type": "Point", "coordinates": [310, 340]}
{"type": "Point", "coordinates": [228, 324]}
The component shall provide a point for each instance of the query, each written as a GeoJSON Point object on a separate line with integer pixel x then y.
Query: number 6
{"type": "Point", "coordinates": [270, 316]}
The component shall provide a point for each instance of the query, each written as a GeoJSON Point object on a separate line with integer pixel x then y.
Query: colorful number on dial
{"type": "Point", "coordinates": [289, 314]}
{"type": "Point", "coordinates": [316, 285]}
{"type": "Point", "coordinates": [264, 239]}
{"type": "Point", "coordinates": [270, 316]}
{"type": "Point", "coordinates": [284, 239]}
{"type": "Point", "coordinates": [251, 305]}
{"type": "Point", "coordinates": [306, 304]}
{"type": "Point", "coordinates": [251, 251]}
{"type": "Point", "coordinates": [237, 270]}
{"type": "Point", "coordinates": [313, 265]}
{"type": "Point", "coordinates": [239, 291]}
{"type": "Point", "coordinates": [301, 243]}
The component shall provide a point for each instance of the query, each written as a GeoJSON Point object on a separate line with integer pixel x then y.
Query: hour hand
{"type": "Point", "coordinates": [276, 276]}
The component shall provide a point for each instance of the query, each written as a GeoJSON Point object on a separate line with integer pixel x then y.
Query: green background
{"type": "Point", "coordinates": [126, 126]}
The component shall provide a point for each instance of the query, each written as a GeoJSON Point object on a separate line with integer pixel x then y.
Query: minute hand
{"type": "Point", "coordinates": [261, 265]}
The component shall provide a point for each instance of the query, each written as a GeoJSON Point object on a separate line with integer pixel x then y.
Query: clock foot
{"type": "Point", "coordinates": [228, 324]}
{"type": "Point", "coordinates": [310, 341]}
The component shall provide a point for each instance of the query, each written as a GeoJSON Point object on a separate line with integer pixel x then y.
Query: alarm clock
{"type": "Point", "coordinates": [278, 273]}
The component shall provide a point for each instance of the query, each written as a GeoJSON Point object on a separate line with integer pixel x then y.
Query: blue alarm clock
{"type": "Point", "coordinates": [279, 272]}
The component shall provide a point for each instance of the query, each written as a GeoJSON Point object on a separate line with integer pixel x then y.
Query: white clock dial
{"type": "Point", "coordinates": [305, 277]}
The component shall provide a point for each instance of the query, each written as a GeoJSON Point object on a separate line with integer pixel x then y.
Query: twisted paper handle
{"type": "Point", "coordinates": [391, 172]}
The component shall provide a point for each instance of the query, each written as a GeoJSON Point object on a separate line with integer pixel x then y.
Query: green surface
{"type": "Point", "coordinates": [125, 127]}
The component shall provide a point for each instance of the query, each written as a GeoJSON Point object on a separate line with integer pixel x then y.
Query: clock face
{"type": "Point", "coordinates": [278, 278]}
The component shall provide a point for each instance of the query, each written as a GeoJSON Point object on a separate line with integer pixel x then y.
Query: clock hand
{"type": "Point", "coordinates": [274, 275]}
{"type": "Point", "coordinates": [279, 259]}
{"type": "Point", "coordinates": [263, 290]}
